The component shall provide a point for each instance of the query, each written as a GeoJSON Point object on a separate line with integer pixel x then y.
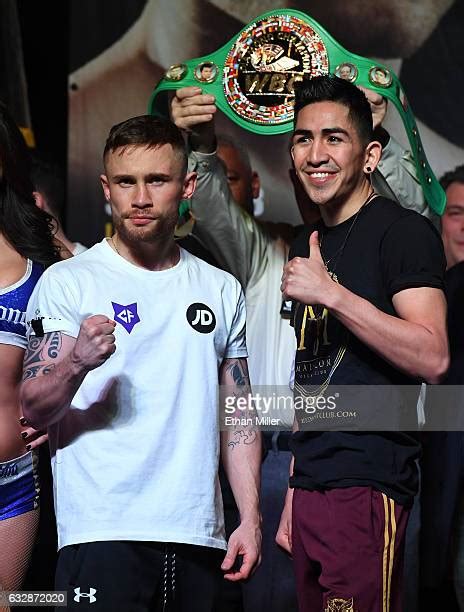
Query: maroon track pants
{"type": "Point", "coordinates": [348, 549]}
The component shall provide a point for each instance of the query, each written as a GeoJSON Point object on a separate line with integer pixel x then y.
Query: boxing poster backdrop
{"type": "Point", "coordinates": [119, 51]}
{"type": "Point", "coordinates": [13, 86]}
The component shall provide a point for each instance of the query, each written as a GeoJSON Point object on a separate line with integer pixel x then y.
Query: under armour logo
{"type": "Point", "coordinates": [90, 595]}
{"type": "Point", "coordinates": [126, 315]}
{"type": "Point", "coordinates": [201, 318]}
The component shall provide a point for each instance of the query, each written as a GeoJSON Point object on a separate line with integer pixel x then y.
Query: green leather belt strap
{"type": "Point", "coordinates": [252, 79]}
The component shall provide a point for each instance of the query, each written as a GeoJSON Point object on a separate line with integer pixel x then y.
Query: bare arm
{"type": "Point", "coordinates": [55, 366]}
{"type": "Point", "coordinates": [284, 531]}
{"type": "Point", "coordinates": [241, 457]}
{"type": "Point", "coordinates": [414, 342]}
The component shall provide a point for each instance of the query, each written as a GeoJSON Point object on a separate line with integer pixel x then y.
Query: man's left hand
{"type": "Point", "coordinates": [193, 111]}
{"type": "Point", "coordinates": [378, 106]}
{"type": "Point", "coordinates": [245, 542]}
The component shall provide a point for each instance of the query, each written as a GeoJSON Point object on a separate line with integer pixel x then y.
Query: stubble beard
{"type": "Point", "coordinates": [162, 230]}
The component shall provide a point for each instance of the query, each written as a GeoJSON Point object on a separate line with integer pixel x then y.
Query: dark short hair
{"type": "Point", "coordinates": [452, 176]}
{"type": "Point", "coordinates": [146, 130]}
{"type": "Point", "coordinates": [330, 88]}
{"type": "Point", "coordinates": [48, 179]}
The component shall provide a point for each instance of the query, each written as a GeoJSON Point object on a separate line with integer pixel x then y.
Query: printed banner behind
{"type": "Point", "coordinates": [119, 51]}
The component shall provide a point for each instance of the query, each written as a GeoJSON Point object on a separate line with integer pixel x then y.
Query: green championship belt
{"type": "Point", "coordinates": [252, 79]}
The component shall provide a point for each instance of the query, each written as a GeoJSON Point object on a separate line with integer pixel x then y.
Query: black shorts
{"type": "Point", "coordinates": [139, 576]}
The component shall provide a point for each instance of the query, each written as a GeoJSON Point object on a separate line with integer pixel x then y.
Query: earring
{"type": "Point", "coordinates": [368, 169]}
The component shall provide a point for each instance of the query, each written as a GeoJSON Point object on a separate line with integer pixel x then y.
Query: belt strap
{"type": "Point", "coordinates": [252, 78]}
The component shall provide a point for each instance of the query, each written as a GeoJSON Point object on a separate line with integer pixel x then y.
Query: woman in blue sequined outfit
{"type": "Point", "coordinates": [26, 248]}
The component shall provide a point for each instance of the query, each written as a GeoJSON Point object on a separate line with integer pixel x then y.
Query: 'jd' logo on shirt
{"type": "Point", "coordinates": [201, 318]}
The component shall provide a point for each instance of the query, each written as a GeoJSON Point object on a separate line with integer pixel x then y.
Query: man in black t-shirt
{"type": "Point", "coordinates": [368, 309]}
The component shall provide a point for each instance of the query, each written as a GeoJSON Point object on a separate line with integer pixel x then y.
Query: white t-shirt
{"type": "Point", "coordinates": [270, 338]}
{"type": "Point", "coordinates": [136, 455]}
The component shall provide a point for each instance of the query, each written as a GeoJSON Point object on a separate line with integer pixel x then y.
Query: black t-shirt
{"type": "Point", "coordinates": [454, 282]}
{"type": "Point", "coordinates": [443, 409]}
{"type": "Point", "coordinates": [386, 249]}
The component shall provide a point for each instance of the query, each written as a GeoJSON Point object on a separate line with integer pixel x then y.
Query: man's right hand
{"type": "Point", "coordinates": [284, 532]}
{"type": "Point", "coordinates": [95, 342]}
{"type": "Point", "coordinates": [193, 111]}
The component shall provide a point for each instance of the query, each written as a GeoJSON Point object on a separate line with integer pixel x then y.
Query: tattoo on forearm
{"type": "Point", "coordinates": [242, 437]}
{"type": "Point", "coordinates": [39, 353]}
{"type": "Point", "coordinates": [34, 371]}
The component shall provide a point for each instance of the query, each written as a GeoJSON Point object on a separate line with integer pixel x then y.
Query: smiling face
{"type": "Point", "coordinates": [329, 157]}
{"type": "Point", "coordinates": [144, 187]}
{"type": "Point", "coordinates": [452, 224]}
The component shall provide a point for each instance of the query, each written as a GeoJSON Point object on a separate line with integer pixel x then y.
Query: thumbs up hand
{"type": "Point", "coordinates": [306, 279]}
{"type": "Point", "coordinates": [315, 249]}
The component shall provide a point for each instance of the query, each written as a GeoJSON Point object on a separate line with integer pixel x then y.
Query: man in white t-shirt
{"type": "Point", "coordinates": [128, 344]}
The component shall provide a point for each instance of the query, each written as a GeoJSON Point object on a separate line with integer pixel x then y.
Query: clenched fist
{"type": "Point", "coordinates": [95, 342]}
